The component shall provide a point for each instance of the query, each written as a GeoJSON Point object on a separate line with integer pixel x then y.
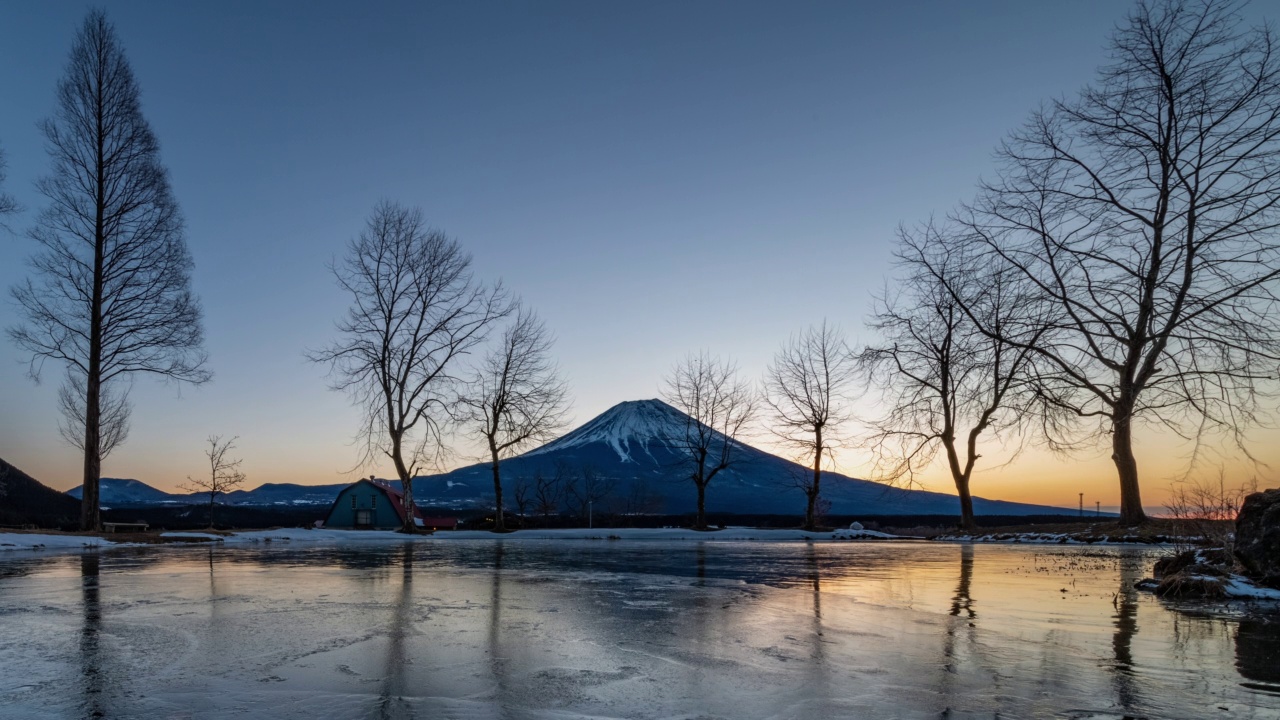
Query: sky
{"type": "Point", "coordinates": [653, 178]}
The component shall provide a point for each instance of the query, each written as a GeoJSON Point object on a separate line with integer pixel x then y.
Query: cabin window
{"type": "Point", "coordinates": [353, 501]}
{"type": "Point", "coordinates": [373, 501]}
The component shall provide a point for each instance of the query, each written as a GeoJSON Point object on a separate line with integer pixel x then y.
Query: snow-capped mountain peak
{"type": "Point", "coordinates": [630, 428]}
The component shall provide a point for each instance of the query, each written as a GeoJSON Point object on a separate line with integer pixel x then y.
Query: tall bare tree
{"type": "Point", "coordinates": [806, 389]}
{"type": "Point", "coordinates": [717, 405]}
{"type": "Point", "coordinates": [517, 396]}
{"type": "Point", "coordinates": [112, 295]}
{"type": "Point", "coordinates": [416, 311]}
{"type": "Point", "coordinates": [945, 384]}
{"type": "Point", "coordinates": [224, 472]}
{"type": "Point", "coordinates": [1144, 212]}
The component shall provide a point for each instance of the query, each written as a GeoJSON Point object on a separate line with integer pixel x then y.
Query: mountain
{"type": "Point", "coordinates": [284, 494]}
{"type": "Point", "coordinates": [25, 501]}
{"type": "Point", "coordinates": [637, 444]}
{"type": "Point", "coordinates": [114, 492]}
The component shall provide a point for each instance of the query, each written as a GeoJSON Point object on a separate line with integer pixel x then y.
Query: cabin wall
{"type": "Point", "coordinates": [367, 497]}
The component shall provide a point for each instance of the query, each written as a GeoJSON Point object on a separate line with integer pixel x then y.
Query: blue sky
{"type": "Point", "coordinates": [652, 177]}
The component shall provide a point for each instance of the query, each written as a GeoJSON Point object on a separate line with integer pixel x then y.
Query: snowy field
{"type": "Point", "coordinates": [671, 629]}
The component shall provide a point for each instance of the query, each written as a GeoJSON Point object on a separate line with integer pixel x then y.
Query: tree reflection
{"type": "Point", "coordinates": [393, 684]}
{"type": "Point", "coordinates": [91, 654]}
{"type": "Point", "coordinates": [497, 654]}
{"type": "Point", "coordinates": [1126, 626]}
{"type": "Point", "coordinates": [962, 601]}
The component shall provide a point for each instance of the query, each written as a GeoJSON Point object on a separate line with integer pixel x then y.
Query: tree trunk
{"type": "Point", "coordinates": [701, 522]}
{"type": "Point", "coordinates": [810, 522]}
{"type": "Point", "coordinates": [406, 483]}
{"type": "Point", "coordinates": [90, 514]}
{"type": "Point", "coordinates": [1131, 512]}
{"type": "Point", "coordinates": [966, 503]}
{"type": "Point", "coordinates": [499, 524]}
{"type": "Point", "coordinates": [212, 495]}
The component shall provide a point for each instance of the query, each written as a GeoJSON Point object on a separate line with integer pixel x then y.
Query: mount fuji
{"type": "Point", "coordinates": [637, 445]}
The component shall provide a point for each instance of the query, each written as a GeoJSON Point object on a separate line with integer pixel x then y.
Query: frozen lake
{"type": "Point", "coordinates": [618, 629]}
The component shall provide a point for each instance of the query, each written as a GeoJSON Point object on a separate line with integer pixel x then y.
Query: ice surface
{"type": "Point", "coordinates": [572, 630]}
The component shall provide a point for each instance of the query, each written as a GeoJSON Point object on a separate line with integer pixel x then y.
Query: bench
{"type": "Point", "coordinates": [112, 527]}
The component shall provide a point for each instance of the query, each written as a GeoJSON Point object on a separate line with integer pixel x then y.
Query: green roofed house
{"type": "Point", "coordinates": [377, 505]}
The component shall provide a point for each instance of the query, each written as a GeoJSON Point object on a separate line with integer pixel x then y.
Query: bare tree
{"type": "Point", "coordinates": [1144, 212]}
{"type": "Point", "coordinates": [416, 310]}
{"type": "Point", "coordinates": [587, 489]}
{"type": "Point", "coordinates": [1205, 511]}
{"type": "Point", "coordinates": [523, 496]}
{"type": "Point", "coordinates": [8, 205]}
{"type": "Point", "coordinates": [944, 383]}
{"type": "Point", "coordinates": [113, 295]}
{"type": "Point", "coordinates": [642, 499]}
{"type": "Point", "coordinates": [548, 491]}
{"type": "Point", "coordinates": [717, 406]}
{"type": "Point", "coordinates": [806, 389]}
{"type": "Point", "coordinates": [517, 396]}
{"type": "Point", "coordinates": [224, 472]}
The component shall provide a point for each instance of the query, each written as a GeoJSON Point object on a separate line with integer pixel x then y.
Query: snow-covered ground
{"type": "Point", "coordinates": [35, 541]}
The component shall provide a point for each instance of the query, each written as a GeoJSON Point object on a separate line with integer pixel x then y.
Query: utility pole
{"type": "Point", "coordinates": [1081, 504]}
{"type": "Point", "coordinates": [1099, 508]}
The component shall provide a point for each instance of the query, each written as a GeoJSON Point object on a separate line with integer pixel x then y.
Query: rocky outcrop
{"type": "Point", "coordinates": [1257, 545]}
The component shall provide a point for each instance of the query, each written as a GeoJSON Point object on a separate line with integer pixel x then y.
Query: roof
{"type": "Point", "coordinates": [396, 496]}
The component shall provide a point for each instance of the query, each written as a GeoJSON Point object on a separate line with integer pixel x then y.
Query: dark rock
{"type": "Point", "coordinates": [1258, 537]}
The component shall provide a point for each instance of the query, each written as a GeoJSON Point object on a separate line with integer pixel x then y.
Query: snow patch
{"type": "Point", "coordinates": [34, 541]}
{"type": "Point", "coordinates": [1241, 587]}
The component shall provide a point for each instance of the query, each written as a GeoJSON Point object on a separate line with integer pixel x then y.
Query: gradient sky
{"type": "Point", "coordinates": [652, 177]}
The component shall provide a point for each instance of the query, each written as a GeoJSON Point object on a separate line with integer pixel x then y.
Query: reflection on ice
{"type": "Point", "coordinates": [573, 629]}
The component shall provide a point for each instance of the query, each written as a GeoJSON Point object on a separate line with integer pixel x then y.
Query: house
{"type": "Point", "coordinates": [438, 523]}
{"type": "Point", "coordinates": [376, 505]}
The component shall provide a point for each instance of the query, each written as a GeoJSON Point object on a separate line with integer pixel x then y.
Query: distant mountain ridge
{"type": "Point", "coordinates": [637, 445]}
{"type": "Point", "coordinates": [119, 492]}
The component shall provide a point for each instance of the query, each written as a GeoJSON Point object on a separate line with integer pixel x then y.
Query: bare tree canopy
{"type": "Point", "coordinates": [717, 405]}
{"type": "Point", "coordinates": [806, 389]}
{"type": "Point", "coordinates": [224, 472]}
{"type": "Point", "coordinates": [517, 396]}
{"type": "Point", "coordinates": [586, 488]}
{"type": "Point", "coordinates": [1144, 213]}
{"type": "Point", "coordinates": [8, 205]}
{"type": "Point", "coordinates": [416, 311]}
{"type": "Point", "coordinates": [945, 384]}
{"type": "Point", "coordinates": [112, 294]}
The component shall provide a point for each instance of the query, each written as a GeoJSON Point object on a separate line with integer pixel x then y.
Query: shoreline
{"type": "Point", "coordinates": [37, 540]}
